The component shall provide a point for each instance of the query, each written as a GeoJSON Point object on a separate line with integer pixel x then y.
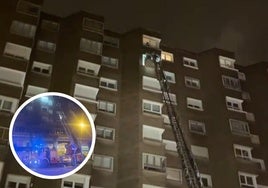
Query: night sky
{"type": "Point", "coordinates": [196, 25]}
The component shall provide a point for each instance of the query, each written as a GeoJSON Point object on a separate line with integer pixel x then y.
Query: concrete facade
{"type": "Point", "coordinates": [107, 72]}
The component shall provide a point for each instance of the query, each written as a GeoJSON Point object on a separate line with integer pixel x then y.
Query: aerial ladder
{"type": "Point", "coordinates": [189, 165]}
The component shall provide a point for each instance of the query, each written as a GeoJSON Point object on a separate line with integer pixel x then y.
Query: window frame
{"type": "Point", "coordinates": [192, 123]}
{"type": "Point", "coordinates": [106, 106]}
{"type": "Point", "coordinates": [244, 152]}
{"type": "Point", "coordinates": [194, 107]}
{"type": "Point", "coordinates": [108, 81]}
{"type": "Point", "coordinates": [151, 165]}
{"type": "Point", "coordinates": [151, 103]}
{"type": "Point", "coordinates": [189, 82]}
{"type": "Point", "coordinates": [244, 124]}
{"type": "Point", "coordinates": [104, 129]}
{"type": "Point", "coordinates": [111, 158]}
{"type": "Point", "coordinates": [164, 56]}
{"type": "Point", "coordinates": [247, 175]}
{"type": "Point", "coordinates": [190, 63]}
{"type": "Point", "coordinates": [42, 66]}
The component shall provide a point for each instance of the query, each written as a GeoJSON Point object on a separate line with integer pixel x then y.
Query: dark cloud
{"type": "Point", "coordinates": [238, 26]}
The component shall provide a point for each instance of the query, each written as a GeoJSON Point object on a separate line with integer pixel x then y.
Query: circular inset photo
{"type": "Point", "coordinates": [52, 135]}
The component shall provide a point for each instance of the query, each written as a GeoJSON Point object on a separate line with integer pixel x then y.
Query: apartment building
{"type": "Point", "coordinates": [110, 74]}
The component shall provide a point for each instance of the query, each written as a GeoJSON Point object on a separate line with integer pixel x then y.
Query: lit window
{"type": "Point", "coordinates": [87, 68]}
{"type": "Point", "coordinates": [111, 41]}
{"type": "Point", "coordinates": [108, 83]}
{"type": "Point", "coordinates": [152, 133]}
{"type": "Point", "coordinates": [200, 151]}
{"type": "Point", "coordinates": [105, 132]}
{"type": "Point", "coordinates": [197, 127]}
{"type": "Point", "coordinates": [34, 90]}
{"type": "Point", "coordinates": [243, 152]}
{"type": "Point", "coordinates": [152, 107]}
{"type": "Point", "coordinates": [92, 25]}
{"type": "Point", "coordinates": [239, 127]}
{"type": "Point", "coordinates": [90, 46]}
{"type": "Point", "coordinates": [50, 25]}
{"type": "Point", "coordinates": [106, 106]}
{"type": "Point", "coordinates": [85, 93]}
{"type": "Point", "coordinates": [8, 104]}
{"type": "Point", "coordinates": [151, 84]}
{"type": "Point", "coordinates": [231, 83]}
{"type": "Point", "coordinates": [166, 56]}
{"type": "Point", "coordinates": [174, 174]}
{"type": "Point", "coordinates": [17, 51]}
{"type": "Point", "coordinates": [170, 98]}
{"type": "Point", "coordinates": [151, 42]}
{"type": "Point", "coordinates": [109, 62]}
{"type": "Point", "coordinates": [103, 162]}
{"type": "Point", "coordinates": [17, 181]}
{"type": "Point", "coordinates": [191, 63]}
{"type": "Point", "coordinates": [195, 104]}
{"type": "Point", "coordinates": [46, 46]}
{"type": "Point", "coordinates": [170, 77]}
{"type": "Point", "coordinates": [192, 82]}
{"type": "Point", "coordinates": [206, 180]}
{"type": "Point", "coordinates": [28, 8]}
{"type": "Point", "coordinates": [42, 68]}
{"type": "Point", "coordinates": [76, 181]}
{"type": "Point", "coordinates": [170, 145]}
{"type": "Point", "coordinates": [227, 63]}
{"type": "Point", "coordinates": [247, 180]}
{"type": "Point", "coordinates": [22, 29]}
{"type": "Point", "coordinates": [12, 77]}
{"type": "Point", "coordinates": [153, 162]}
{"type": "Point", "coordinates": [234, 103]}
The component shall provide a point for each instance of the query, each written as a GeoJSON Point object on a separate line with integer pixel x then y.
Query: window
{"type": "Point", "coordinates": [226, 62]}
{"type": "Point", "coordinates": [28, 8]}
{"type": "Point", "coordinates": [166, 56]}
{"type": "Point", "coordinates": [103, 162]}
{"type": "Point", "coordinates": [92, 25]}
{"type": "Point", "coordinates": [247, 180]}
{"type": "Point", "coordinates": [200, 151]}
{"type": "Point", "coordinates": [243, 152]}
{"type": "Point", "coordinates": [108, 83]}
{"type": "Point", "coordinates": [151, 42]}
{"type": "Point", "coordinates": [12, 77]}
{"type": "Point", "coordinates": [152, 107]}
{"type": "Point", "coordinates": [17, 51]}
{"type": "Point", "coordinates": [231, 83]}
{"type": "Point", "coordinates": [106, 106]}
{"type": "Point", "coordinates": [150, 186]}
{"type": "Point", "coordinates": [111, 41]}
{"type": "Point", "coordinates": [153, 162]}
{"type": "Point", "coordinates": [170, 98]}
{"type": "Point", "coordinates": [85, 93]}
{"type": "Point", "coordinates": [76, 181]}
{"type": "Point", "coordinates": [22, 29]}
{"type": "Point", "coordinates": [170, 145]}
{"type": "Point", "coordinates": [152, 133]}
{"type": "Point", "coordinates": [206, 180]}
{"type": "Point", "coordinates": [192, 82]}
{"type": "Point", "coordinates": [191, 63]}
{"type": "Point", "coordinates": [17, 181]}
{"type": "Point", "coordinates": [46, 46]}
{"type": "Point", "coordinates": [105, 132]}
{"type": "Point", "coordinates": [234, 104]}
{"type": "Point", "coordinates": [194, 104]}
{"type": "Point", "coordinates": [174, 174]}
{"type": "Point", "coordinates": [170, 77]}
{"type": "Point", "coordinates": [241, 76]}
{"type": "Point", "coordinates": [110, 62]}
{"type": "Point", "coordinates": [4, 131]}
{"type": "Point", "coordinates": [197, 127]}
{"type": "Point", "coordinates": [90, 46]}
{"type": "Point", "coordinates": [50, 25]}
{"type": "Point", "coordinates": [42, 68]}
{"type": "Point", "coordinates": [151, 84]}
{"type": "Point", "coordinates": [239, 127]}
{"type": "Point", "coordinates": [8, 104]}
{"type": "Point", "coordinates": [87, 68]}
{"type": "Point", "coordinates": [34, 90]}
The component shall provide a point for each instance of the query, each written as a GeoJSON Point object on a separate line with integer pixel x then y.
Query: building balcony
{"type": "Point", "coordinates": [10, 90]}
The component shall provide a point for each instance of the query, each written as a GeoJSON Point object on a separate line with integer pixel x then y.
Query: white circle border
{"type": "Point", "coordinates": [93, 134]}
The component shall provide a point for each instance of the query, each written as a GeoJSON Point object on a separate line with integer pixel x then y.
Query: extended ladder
{"type": "Point", "coordinates": [189, 166]}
